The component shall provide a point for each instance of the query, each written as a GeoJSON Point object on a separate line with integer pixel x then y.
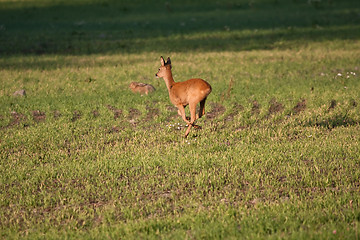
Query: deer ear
{"type": "Point", "coordinates": [162, 61]}
{"type": "Point", "coordinates": [168, 61]}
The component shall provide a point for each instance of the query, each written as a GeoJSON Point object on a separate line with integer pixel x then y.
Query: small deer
{"type": "Point", "coordinates": [181, 94]}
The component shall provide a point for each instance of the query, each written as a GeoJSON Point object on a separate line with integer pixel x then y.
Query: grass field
{"type": "Point", "coordinates": [278, 155]}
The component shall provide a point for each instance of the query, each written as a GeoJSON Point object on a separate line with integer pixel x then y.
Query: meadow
{"type": "Point", "coordinates": [83, 157]}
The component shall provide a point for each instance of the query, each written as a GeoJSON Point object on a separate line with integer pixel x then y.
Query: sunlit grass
{"type": "Point", "coordinates": [278, 155]}
{"type": "Point", "coordinates": [137, 176]}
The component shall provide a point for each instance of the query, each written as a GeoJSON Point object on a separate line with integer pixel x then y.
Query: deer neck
{"type": "Point", "coordinates": [169, 81]}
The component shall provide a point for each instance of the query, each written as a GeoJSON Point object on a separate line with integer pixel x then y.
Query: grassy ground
{"type": "Point", "coordinates": [83, 157]}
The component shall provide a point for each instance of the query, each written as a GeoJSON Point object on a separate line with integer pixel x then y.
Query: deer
{"type": "Point", "coordinates": [189, 92]}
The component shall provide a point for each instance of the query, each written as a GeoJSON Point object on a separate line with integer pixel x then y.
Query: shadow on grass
{"type": "Point", "coordinates": [90, 27]}
{"type": "Point", "coordinates": [338, 120]}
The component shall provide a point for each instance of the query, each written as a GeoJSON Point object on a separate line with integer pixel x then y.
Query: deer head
{"type": "Point", "coordinates": [165, 68]}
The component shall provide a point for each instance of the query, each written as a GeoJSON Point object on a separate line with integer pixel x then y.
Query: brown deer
{"type": "Point", "coordinates": [181, 94]}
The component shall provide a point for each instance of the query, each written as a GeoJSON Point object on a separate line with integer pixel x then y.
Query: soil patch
{"type": "Point", "coordinates": [95, 113]}
{"type": "Point", "coordinates": [152, 112]}
{"type": "Point", "coordinates": [255, 109]}
{"type": "Point", "coordinates": [173, 111]}
{"type": "Point", "coordinates": [113, 129]}
{"type": "Point", "coordinates": [333, 104]}
{"type": "Point", "coordinates": [16, 119]}
{"type": "Point", "coordinates": [300, 106]}
{"type": "Point", "coordinates": [216, 110]}
{"type": "Point", "coordinates": [57, 114]}
{"type": "Point", "coordinates": [275, 107]}
{"type": "Point", "coordinates": [235, 111]}
{"type": "Point", "coordinates": [38, 116]}
{"type": "Point", "coordinates": [76, 116]}
{"type": "Point", "coordinates": [171, 108]}
{"type": "Point", "coordinates": [238, 129]}
{"type": "Point", "coordinates": [117, 112]}
{"type": "Point", "coordinates": [353, 103]}
{"type": "Point", "coordinates": [133, 113]}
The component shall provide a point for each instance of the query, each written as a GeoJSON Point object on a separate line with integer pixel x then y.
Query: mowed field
{"type": "Point", "coordinates": [83, 157]}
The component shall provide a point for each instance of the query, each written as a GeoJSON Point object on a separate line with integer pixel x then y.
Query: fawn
{"type": "Point", "coordinates": [181, 94]}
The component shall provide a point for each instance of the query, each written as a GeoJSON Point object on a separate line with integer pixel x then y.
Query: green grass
{"type": "Point", "coordinates": [82, 157]}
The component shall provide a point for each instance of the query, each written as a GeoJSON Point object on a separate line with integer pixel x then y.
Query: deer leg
{"type": "Point", "coordinates": [202, 108]}
{"type": "Point", "coordinates": [193, 119]}
{"type": "Point", "coordinates": [192, 108]}
{"type": "Point", "coordinates": [181, 112]}
{"type": "Point", "coordinates": [187, 118]}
